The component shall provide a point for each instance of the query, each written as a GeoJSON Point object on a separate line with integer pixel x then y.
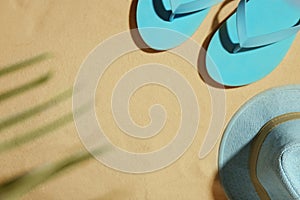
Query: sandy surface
{"type": "Point", "coordinates": [70, 30]}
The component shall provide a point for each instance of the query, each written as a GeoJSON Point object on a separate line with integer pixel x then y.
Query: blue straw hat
{"type": "Point", "coordinates": [259, 155]}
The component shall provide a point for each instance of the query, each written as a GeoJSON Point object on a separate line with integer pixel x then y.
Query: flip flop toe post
{"type": "Point", "coordinates": [253, 41]}
{"type": "Point", "coordinates": [165, 24]}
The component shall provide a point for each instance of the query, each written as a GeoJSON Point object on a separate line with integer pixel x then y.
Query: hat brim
{"type": "Point", "coordinates": [234, 152]}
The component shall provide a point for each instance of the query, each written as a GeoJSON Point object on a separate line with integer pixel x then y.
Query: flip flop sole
{"type": "Point", "coordinates": [164, 34]}
{"type": "Point", "coordinates": [248, 66]}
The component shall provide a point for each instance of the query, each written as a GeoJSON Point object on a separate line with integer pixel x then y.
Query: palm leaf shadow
{"type": "Point", "coordinates": [20, 185]}
{"type": "Point", "coordinates": [23, 64]}
{"type": "Point", "coordinates": [14, 119]}
{"type": "Point", "coordinates": [34, 134]}
{"type": "Point", "coordinates": [25, 87]}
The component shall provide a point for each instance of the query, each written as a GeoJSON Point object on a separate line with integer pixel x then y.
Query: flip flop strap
{"type": "Point", "coordinates": [262, 40]}
{"type": "Point", "coordinates": [177, 7]}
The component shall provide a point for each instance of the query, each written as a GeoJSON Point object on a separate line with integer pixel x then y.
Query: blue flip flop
{"type": "Point", "coordinates": [165, 24]}
{"type": "Point", "coordinates": [253, 41]}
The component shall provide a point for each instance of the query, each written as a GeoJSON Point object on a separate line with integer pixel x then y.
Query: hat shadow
{"type": "Point", "coordinates": [217, 189]}
{"type": "Point", "coordinates": [235, 174]}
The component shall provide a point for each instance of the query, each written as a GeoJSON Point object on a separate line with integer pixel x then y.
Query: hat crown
{"type": "Point", "coordinates": [278, 164]}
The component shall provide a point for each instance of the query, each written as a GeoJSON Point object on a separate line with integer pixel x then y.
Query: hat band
{"type": "Point", "coordinates": [257, 144]}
